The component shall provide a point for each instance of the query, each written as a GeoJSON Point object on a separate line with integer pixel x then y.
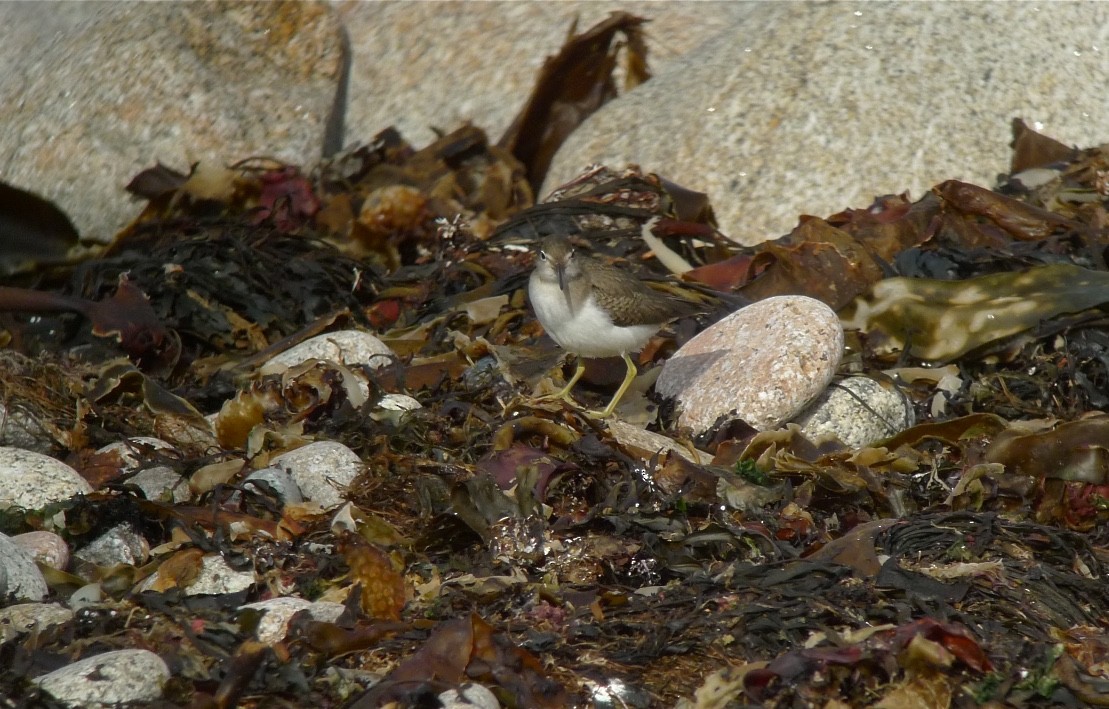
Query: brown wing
{"type": "Point", "coordinates": [631, 302]}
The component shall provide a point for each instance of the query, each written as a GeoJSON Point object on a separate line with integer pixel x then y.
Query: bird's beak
{"type": "Point", "coordinates": [560, 271]}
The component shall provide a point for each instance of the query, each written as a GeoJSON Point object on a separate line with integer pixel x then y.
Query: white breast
{"type": "Point", "coordinates": [586, 330]}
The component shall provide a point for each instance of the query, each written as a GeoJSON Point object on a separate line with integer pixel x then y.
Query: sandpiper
{"type": "Point", "coordinates": [594, 309]}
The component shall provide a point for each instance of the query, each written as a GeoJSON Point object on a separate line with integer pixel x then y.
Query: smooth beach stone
{"type": "Point", "coordinates": [31, 481]}
{"type": "Point", "coordinates": [108, 679]}
{"type": "Point", "coordinates": [477, 61]}
{"type": "Point", "coordinates": [26, 617]}
{"type": "Point", "coordinates": [130, 450]}
{"type": "Point", "coordinates": [322, 470]}
{"type": "Point", "coordinates": [162, 484]}
{"type": "Point", "coordinates": [215, 577]}
{"type": "Point", "coordinates": [347, 347]}
{"type": "Point", "coordinates": [18, 574]}
{"type": "Point", "coordinates": [19, 430]}
{"type": "Point", "coordinates": [274, 624]}
{"type": "Point", "coordinates": [44, 547]}
{"type": "Point", "coordinates": [469, 696]}
{"type": "Point", "coordinates": [858, 411]}
{"type": "Point", "coordinates": [762, 364]}
{"type": "Point", "coordinates": [121, 544]}
{"type": "Point", "coordinates": [648, 443]}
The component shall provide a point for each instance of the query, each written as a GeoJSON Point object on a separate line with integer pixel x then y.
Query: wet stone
{"type": "Point", "coordinates": [761, 364]}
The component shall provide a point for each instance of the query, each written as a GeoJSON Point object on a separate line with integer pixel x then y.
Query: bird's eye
{"type": "Point", "coordinates": [542, 255]}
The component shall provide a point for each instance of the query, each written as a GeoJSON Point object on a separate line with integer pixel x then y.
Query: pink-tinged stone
{"type": "Point", "coordinates": [44, 547]}
{"type": "Point", "coordinates": [761, 364]}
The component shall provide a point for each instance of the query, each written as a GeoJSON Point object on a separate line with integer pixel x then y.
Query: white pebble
{"type": "Point", "coordinates": [31, 481]}
{"type": "Point", "coordinates": [108, 679]}
{"type": "Point", "coordinates": [322, 470]}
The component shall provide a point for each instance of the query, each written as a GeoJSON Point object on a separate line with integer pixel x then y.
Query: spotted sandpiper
{"type": "Point", "coordinates": [594, 309]}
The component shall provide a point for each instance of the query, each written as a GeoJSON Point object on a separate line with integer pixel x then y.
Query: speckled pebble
{"type": "Point", "coordinates": [322, 470]}
{"type": "Point", "coordinates": [162, 484]}
{"type": "Point", "coordinates": [121, 544]}
{"type": "Point", "coordinates": [344, 346]}
{"type": "Point", "coordinates": [25, 617]}
{"type": "Point", "coordinates": [469, 696]}
{"type": "Point", "coordinates": [108, 679]}
{"type": "Point", "coordinates": [158, 482]}
{"type": "Point", "coordinates": [215, 577]}
{"type": "Point", "coordinates": [761, 364]}
{"type": "Point", "coordinates": [19, 430]}
{"type": "Point", "coordinates": [18, 574]}
{"type": "Point", "coordinates": [131, 450]}
{"type": "Point", "coordinates": [274, 624]}
{"type": "Point", "coordinates": [31, 481]}
{"type": "Point", "coordinates": [858, 411]}
{"type": "Point", "coordinates": [44, 547]}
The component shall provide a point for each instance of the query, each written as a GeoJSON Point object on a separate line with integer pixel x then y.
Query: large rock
{"type": "Point", "coordinates": [420, 66]}
{"type": "Point", "coordinates": [92, 93]}
{"type": "Point", "coordinates": [814, 107]}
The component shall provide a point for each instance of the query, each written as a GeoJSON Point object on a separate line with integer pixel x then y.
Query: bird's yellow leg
{"type": "Point", "coordinates": [564, 393]}
{"type": "Point", "coordinates": [628, 379]}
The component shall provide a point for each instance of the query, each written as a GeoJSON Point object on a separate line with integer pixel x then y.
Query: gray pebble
{"type": "Point", "coordinates": [859, 411]}
{"type": "Point", "coordinates": [108, 679]}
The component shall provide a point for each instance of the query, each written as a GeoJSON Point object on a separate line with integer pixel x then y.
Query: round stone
{"type": "Point", "coordinates": [322, 470]}
{"type": "Point", "coordinates": [761, 364]}
{"type": "Point", "coordinates": [274, 624]}
{"type": "Point", "coordinates": [131, 450]}
{"type": "Point", "coordinates": [214, 577]}
{"type": "Point", "coordinates": [858, 411]}
{"type": "Point", "coordinates": [31, 481]}
{"type": "Point", "coordinates": [108, 679]}
{"type": "Point", "coordinates": [345, 346]}
{"type": "Point", "coordinates": [45, 548]}
{"type": "Point", "coordinates": [280, 480]}
{"type": "Point", "coordinates": [27, 617]}
{"type": "Point", "coordinates": [19, 576]}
